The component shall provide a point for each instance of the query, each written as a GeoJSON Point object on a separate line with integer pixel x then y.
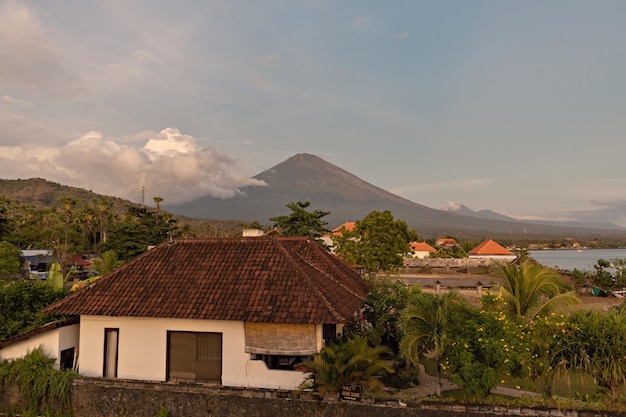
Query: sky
{"type": "Point", "coordinates": [513, 106]}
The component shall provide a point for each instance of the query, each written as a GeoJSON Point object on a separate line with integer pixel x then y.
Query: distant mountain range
{"type": "Point", "coordinates": [306, 177]}
{"type": "Point", "coordinates": [492, 215]}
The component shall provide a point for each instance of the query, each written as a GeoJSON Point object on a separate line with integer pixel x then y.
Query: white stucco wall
{"type": "Point", "coordinates": [142, 351]}
{"type": "Point", "coordinates": [53, 342]}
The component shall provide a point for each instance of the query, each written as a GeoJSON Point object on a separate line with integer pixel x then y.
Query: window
{"type": "Point", "coordinates": [194, 356]}
{"type": "Point", "coordinates": [279, 361]}
{"type": "Point", "coordinates": [66, 360]}
{"type": "Point", "coordinates": [111, 341]}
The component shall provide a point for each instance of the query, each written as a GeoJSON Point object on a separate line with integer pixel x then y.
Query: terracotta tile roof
{"type": "Point", "coordinates": [349, 226]}
{"type": "Point", "coordinates": [272, 280]}
{"type": "Point", "coordinates": [422, 247]}
{"type": "Point", "coordinates": [490, 247]}
{"type": "Point", "coordinates": [446, 242]}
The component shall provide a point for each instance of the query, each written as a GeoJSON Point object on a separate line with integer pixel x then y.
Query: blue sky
{"type": "Point", "coordinates": [517, 107]}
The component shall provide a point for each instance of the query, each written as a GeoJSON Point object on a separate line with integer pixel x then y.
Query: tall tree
{"type": "Point", "coordinates": [68, 204]}
{"type": "Point", "coordinates": [425, 326]}
{"type": "Point", "coordinates": [104, 207]}
{"type": "Point", "coordinates": [140, 229]}
{"type": "Point", "coordinates": [301, 222]}
{"type": "Point", "coordinates": [532, 290]}
{"type": "Point", "coordinates": [378, 242]}
{"type": "Point", "coordinates": [157, 202]}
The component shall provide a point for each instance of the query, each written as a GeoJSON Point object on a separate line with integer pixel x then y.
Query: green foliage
{"type": "Point", "coordinates": [140, 229]}
{"type": "Point", "coordinates": [378, 318]}
{"type": "Point", "coordinates": [453, 252]}
{"type": "Point", "coordinates": [9, 259]}
{"type": "Point", "coordinates": [163, 412]}
{"type": "Point", "coordinates": [346, 362]}
{"type": "Point", "coordinates": [301, 222]}
{"type": "Point", "coordinates": [107, 262]}
{"type": "Point", "coordinates": [609, 275]}
{"type": "Point", "coordinates": [45, 389]}
{"type": "Point", "coordinates": [485, 349]}
{"type": "Point", "coordinates": [531, 290]}
{"type": "Point", "coordinates": [378, 242]}
{"type": "Point", "coordinates": [426, 324]}
{"type": "Point", "coordinates": [20, 306]}
{"type": "Point", "coordinates": [593, 342]}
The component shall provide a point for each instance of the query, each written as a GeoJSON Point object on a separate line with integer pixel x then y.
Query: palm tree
{"type": "Point", "coordinates": [425, 325]}
{"type": "Point", "coordinates": [68, 209]}
{"type": "Point", "coordinates": [104, 207]}
{"type": "Point", "coordinates": [157, 201]}
{"type": "Point", "coordinates": [532, 290]}
{"type": "Point", "coordinates": [350, 361]}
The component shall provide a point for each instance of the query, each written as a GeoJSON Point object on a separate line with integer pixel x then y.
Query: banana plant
{"type": "Point", "coordinates": [55, 276]}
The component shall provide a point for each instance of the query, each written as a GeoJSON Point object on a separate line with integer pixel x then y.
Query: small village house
{"type": "Point", "coordinates": [237, 312]}
{"type": "Point", "coordinates": [421, 250]}
{"type": "Point", "coordinates": [490, 249]}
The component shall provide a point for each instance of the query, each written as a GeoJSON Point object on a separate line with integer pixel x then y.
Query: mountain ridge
{"type": "Point", "coordinates": [306, 177]}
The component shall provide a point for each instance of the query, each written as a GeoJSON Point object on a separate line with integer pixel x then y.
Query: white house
{"type": "Point", "coordinates": [237, 312]}
{"type": "Point", "coordinates": [58, 340]}
{"type": "Point", "coordinates": [421, 250]}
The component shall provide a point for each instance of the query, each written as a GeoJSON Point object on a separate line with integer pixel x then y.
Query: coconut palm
{"type": "Point", "coordinates": [350, 361]}
{"type": "Point", "coordinates": [425, 325]}
{"type": "Point", "coordinates": [531, 290]}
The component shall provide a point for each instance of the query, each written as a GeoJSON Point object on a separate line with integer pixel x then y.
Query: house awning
{"type": "Point", "coordinates": [280, 339]}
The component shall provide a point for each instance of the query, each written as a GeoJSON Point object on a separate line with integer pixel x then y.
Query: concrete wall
{"type": "Point", "coordinates": [100, 398]}
{"type": "Point", "coordinates": [142, 351]}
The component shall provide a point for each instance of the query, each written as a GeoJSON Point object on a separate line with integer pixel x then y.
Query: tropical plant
{"type": "Point", "coordinates": [426, 324]}
{"type": "Point", "coordinates": [594, 343]}
{"type": "Point", "coordinates": [530, 290]}
{"type": "Point", "coordinates": [378, 318]}
{"type": "Point", "coordinates": [346, 362]}
{"type": "Point", "coordinates": [46, 390]}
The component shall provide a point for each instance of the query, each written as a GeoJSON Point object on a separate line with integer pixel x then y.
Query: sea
{"type": "Point", "coordinates": [570, 259]}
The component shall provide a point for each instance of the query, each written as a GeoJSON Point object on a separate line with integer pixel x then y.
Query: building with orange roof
{"type": "Point", "coordinates": [489, 249]}
{"type": "Point", "coordinates": [421, 250]}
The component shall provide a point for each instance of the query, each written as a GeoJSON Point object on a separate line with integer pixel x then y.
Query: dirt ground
{"type": "Point", "coordinates": [466, 285]}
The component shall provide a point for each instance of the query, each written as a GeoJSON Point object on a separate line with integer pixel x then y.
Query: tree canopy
{"type": "Point", "coordinates": [377, 242]}
{"type": "Point", "coordinates": [301, 222]}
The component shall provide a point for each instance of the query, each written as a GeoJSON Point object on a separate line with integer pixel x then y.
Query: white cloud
{"type": "Point", "coordinates": [168, 164]}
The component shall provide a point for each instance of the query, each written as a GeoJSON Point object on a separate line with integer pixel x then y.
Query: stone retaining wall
{"type": "Point", "coordinates": [116, 398]}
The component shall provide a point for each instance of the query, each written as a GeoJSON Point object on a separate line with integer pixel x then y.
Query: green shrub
{"type": "Point", "coordinates": [46, 391]}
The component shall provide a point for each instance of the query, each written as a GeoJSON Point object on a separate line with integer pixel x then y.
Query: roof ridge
{"type": "Point", "coordinates": [316, 293]}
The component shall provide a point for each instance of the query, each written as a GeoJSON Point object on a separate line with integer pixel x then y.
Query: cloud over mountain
{"type": "Point", "coordinates": [168, 164]}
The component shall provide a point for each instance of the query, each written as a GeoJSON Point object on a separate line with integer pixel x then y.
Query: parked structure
{"type": "Point", "coordinates": [237, 312]}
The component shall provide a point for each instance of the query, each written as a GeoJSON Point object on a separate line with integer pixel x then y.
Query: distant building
{"type": "Point", "coordinates": [490, 249]}
{"type": "Point", "coordinates": [446, 242]}
{"type": "Point", "coordinates": [421, 250]}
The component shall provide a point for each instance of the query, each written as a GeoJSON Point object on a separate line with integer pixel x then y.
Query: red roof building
{"type": "Point", "coordinates": [493, 250]}
{"type": "Point", "coordinates": [231, 311]}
